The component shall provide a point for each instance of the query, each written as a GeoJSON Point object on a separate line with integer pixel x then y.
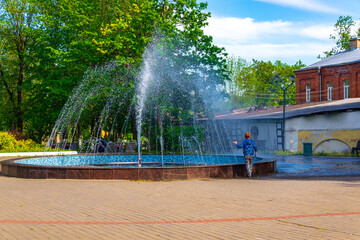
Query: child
{"type": "Point", "coordinates": [250, 150]}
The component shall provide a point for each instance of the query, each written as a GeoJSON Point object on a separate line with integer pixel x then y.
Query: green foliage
{"type": "Point", "coordinates": [286, 153]}
{"type": "Point", "coordinates": [333, 154]}
{"type": "Point", "coordinates": [342, 28]}
{"type": "Point", "coordinates": [330, 154]}
{"type": "Point", "coordinates": [179, 137]}
{"type": "Point", "coordinates": [61, 40]}
{"type": "Point", "coordinates": [8, 143]}
{"type": "Point", "coordinates": [18, 31]}
{"type": "Point", "coordinates": [252, 83]}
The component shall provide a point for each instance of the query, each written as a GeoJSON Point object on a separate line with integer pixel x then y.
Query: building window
{"type": "Point", "coordinates": [308, 92]}
{"type": "Point", "coordinates": [346, 89]}
{"type": "Point", "coordinates": [330, 90]}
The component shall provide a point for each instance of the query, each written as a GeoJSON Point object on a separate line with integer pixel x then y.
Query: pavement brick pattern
{"type": "Point", "coordinates": [260, 208]}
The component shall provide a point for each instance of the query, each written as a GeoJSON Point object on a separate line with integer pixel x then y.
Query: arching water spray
{"type": "Point", "coordinates": [175, 99]}
{"type": "Point", "coordinates": [145, 79]}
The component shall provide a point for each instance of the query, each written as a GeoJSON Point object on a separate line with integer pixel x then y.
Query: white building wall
{"type": "Point", "coordinates": [266, 131]}
{"type": "Point", "coordinates": [330, 121]}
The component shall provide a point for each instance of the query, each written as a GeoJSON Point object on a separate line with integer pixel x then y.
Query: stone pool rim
{"type": "Point", "coordinates": [13, 169]}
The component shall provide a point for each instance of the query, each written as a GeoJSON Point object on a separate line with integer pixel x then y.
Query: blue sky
{"type": "Point", "coordinates": [286, 30]}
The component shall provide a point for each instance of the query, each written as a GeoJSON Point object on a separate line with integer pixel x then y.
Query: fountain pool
{"type": "Point", "coordinates": [154, 167]}
{"type": "Point", "coordinates": [168, 104]}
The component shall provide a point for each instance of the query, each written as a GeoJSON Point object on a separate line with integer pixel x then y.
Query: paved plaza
{"type": "Point", "coordinates": [259, 208]}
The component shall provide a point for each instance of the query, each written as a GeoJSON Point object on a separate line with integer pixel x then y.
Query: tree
{"type": "Point", "coordinates": [18, 29]}
{"type": "Point", "coordinates": [63, 39]}
{"type": "Point", "coordinates": [343, 28]}
{"type": "Point", "coordinates": [252, 83]}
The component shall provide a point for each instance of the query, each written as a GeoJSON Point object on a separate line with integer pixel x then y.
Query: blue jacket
{"type": "Point", "coordinates": [248, 147]}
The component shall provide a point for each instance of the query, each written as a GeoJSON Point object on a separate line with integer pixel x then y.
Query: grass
{"type": "Point", "coordinates": [330, 154]}
{"type": "Point", "coordinates": [334, 154]}
{"type": "Point", "coordinates": [286, 153]}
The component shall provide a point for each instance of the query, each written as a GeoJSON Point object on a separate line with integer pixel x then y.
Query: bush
{"type": "Point", "coordinates": [8, 143]}
{"type": "Point", "coordinates": [187, 137]}
{"type": "Point", "coordinates": [331, 154]}
{"type": "Point", "coordinates": [286, 153]}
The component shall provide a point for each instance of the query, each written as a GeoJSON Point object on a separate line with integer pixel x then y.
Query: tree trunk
{"type": "Point", "coordinates": [19, 113]}
{"type": "Point", "coordinates": [133, 123]}
{"type": "Point", "coordinates": [93, 121]}
{"type": "Point", "coordinates": [11, 97]}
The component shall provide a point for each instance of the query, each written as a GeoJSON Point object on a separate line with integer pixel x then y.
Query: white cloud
{"type": "Point", "coordinates": [310, 5]}
{"type": "Point", "coordinates": [243, 29]}
{"type": "Point", "coordinates": [320, 32]}
{"type": "Point", "coordinates": [270, 40]}
{"type": "Point", "coordinates": [272, 52]}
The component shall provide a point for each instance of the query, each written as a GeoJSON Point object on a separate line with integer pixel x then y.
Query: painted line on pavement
{"type": "Point", "coordinates": [177, 222]}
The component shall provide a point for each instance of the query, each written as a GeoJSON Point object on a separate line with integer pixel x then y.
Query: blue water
{"type": "Point", "coordinates": [289, 166]}
{"type": "Point", "coordinates": [131, 160]}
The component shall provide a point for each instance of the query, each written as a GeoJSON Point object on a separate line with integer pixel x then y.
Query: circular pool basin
{"type": "Point", "coordinates": [153, 167]}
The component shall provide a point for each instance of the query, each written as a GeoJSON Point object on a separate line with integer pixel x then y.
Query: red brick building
{"type": "Point", "coordinates": [333, 78]}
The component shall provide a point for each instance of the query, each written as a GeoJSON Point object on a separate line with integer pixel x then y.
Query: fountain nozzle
{"type": "Point", "coordinates": [139, 161]}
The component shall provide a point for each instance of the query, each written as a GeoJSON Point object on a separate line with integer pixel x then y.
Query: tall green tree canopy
{"type": "Point", "coordinates": [18, 32]}
{"type": "Point", "coordinates": [59, 40]}
{"type": "Point", "coordinates": [252, 83]}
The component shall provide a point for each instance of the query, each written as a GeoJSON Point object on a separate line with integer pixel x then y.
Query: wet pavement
{"type": "Point", "coordinates": [317, 166]}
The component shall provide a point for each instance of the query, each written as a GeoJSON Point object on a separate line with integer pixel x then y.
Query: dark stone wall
{"type": "Point", "coordinates": [10, 168]}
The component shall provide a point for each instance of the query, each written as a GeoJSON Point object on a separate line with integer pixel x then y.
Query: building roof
{"type": "Point", "coordinates": [293, 110]}
{"type": "Point", "coordinates": [342, 58]}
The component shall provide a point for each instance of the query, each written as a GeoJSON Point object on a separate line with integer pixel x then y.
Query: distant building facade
{"type": "Point", "coordinates": [334, 78]}
{"type": "Point", "coordinates": [327, 113]}
{"type": "Point", "coordinates": [336, 131]}
{"type": "Point", "coordinates": [332, 126]}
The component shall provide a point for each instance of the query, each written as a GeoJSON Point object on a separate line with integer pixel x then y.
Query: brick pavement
{"type": "Point", "coordinates": [262, 208]}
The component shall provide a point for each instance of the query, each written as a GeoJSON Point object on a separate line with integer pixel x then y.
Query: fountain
{"type": "Point", "coordinates": [171, 110]}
